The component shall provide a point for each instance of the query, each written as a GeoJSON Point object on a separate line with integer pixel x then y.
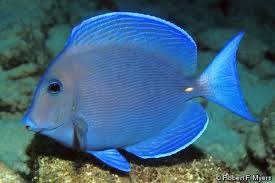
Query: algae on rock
{"type": "Point", "coordinates": [60, 170]}
{"type": "Point", "coordinates": [51, 162]}
{"type": "Point", "coordinates": [9, 176]}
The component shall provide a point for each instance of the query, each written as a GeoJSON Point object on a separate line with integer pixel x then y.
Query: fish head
{"type": "Point", "coordinates": [52, 103]}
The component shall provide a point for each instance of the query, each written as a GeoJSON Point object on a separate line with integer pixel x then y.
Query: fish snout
{"type": "Point", "coordinates": [29, 124]}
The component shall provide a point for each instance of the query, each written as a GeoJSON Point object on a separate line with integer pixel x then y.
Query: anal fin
{"type": "Point", "coordinates": [186, 129]}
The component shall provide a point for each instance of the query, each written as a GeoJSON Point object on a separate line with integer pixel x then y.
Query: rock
{"type": "Point", "coordinates": [266, 70]}
{"type": "Point", "coordinates": [53, 163]}
{"type": "Point", "coordinates": [57, 38]}
{"type": "Point", "coordinates": [251, 170]}
{"type": "Point", "coordinates": [214, 39]}
{"type": "Point", "coordinates": [261, 141]}
{"type": "Point", "coordinates": [27, 46]}
{"type": "Point", "coordinates": [270, 54]}
{"type": "Point", "coordinates": [22, 71]}
{"type": "Point", "coordinates": [11, 47]}
{"type": "Point", "coordinates": [268, 128]}
{"type": "Point", "coordinates": [252, 51]}
{"type": "Point", "coordinates": [257, 92]}
{"type": "Point", "coordinates": [17, 85]}
{"type": "Point", "coordinates": [23, 12]}
{"type": "Point", "coordinates": [9, 176]}
{"type": "Point", "coordinates": [77, 11]}
{"type": "Point", "coordinates": [58, 170]}
{"type": "Point", "coordinates": [157, 8]}
{"type": "Point", "coordinates": [14, 141]}
{"type": "Point", "coordinates": [21, 35]}
{"type": "Point", "coordinates": [271, 166]}
{"type": "Point", "coordinates": [255, 145]}
{"type": "Point", "coordinates": [15, 97]}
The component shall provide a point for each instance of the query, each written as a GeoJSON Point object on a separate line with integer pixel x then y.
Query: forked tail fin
{"type": "Point", "coordinates": [220, 81]}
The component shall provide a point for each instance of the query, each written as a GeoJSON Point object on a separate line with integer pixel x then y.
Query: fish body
{"type": "Point", "coordinates": [137, 94]}
{"type": "Point", "coordinates": [126, 81]}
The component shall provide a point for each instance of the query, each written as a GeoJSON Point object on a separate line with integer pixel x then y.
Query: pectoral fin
{"type": "Point", "coordinates": [80, 134]}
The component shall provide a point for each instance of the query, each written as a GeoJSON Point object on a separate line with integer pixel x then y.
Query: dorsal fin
{"type": "Point", "coordinates": [137, 30]}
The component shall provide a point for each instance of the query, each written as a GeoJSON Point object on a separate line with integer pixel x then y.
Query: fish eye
{"type": "Point", "coordinates": [54, 86]}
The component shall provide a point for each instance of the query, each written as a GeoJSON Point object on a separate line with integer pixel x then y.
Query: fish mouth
{"type": "Point", "coordinates": [30, 125]}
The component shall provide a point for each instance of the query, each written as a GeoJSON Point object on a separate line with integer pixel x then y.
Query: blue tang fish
{"type": "Point", "coordinates": [126, 81]}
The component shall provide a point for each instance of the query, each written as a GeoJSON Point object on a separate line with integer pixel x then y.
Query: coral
{"type": "Point", "coordinates": [58, 164]}
{"type": "Point", "coordinates": [8, 176]}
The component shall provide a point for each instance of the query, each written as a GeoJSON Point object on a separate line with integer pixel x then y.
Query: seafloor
{"type": "Point", "coordinates": [32, 32]}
